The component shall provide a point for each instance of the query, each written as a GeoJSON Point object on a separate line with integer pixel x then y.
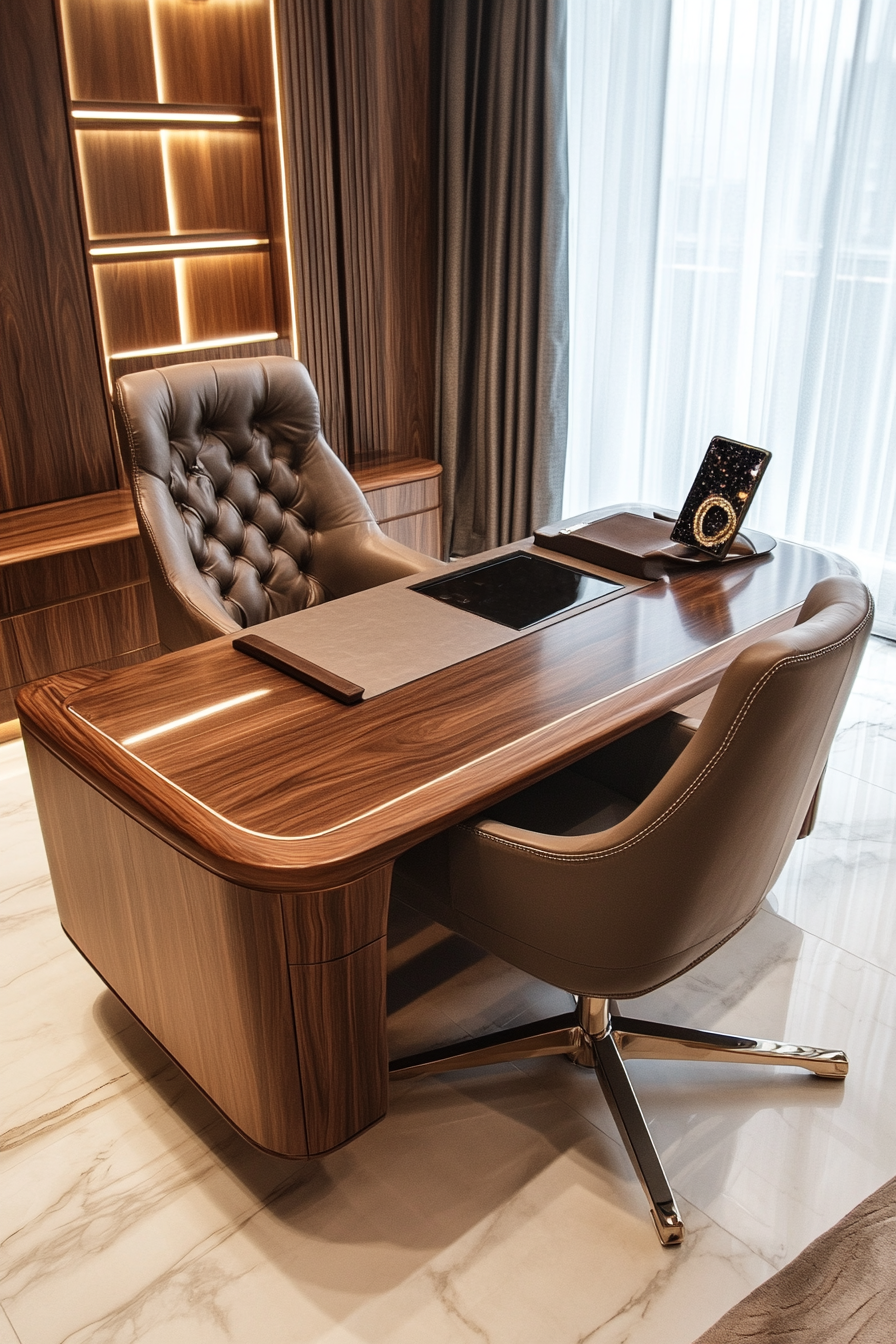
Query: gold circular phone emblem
{"type": "Point", "coordinates": [727, 531]}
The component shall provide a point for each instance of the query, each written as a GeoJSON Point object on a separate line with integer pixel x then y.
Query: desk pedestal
{"type": "Point", "coordinates": [274, 1003]}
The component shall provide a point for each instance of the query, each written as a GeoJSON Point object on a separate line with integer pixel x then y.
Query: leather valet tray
{"type": "Point", "coordinates": [640, 544]}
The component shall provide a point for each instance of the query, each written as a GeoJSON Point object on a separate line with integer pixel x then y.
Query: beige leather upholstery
{"type": "Point", "coordinates": [245, 512]}
{"type": "Point", "coordinates": [618, 874]}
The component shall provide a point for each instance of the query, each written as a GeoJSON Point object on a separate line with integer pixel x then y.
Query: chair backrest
{"type": "Point", "coordinates": [238, 496]}
{"type": "Point", "coordinates": [641, 902]}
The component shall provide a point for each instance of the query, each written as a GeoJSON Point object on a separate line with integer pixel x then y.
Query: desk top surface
{"type": "Point", "coordinates": [274, 784]}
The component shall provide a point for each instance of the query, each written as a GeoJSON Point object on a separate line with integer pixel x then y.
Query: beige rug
{"type": "Point", "coordinates": [841, 1290]}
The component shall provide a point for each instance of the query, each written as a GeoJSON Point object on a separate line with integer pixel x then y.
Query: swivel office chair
{"type": "Point", "coordinates": [245, 512]}
{"type": "Point", "coordinates": [619, 874]}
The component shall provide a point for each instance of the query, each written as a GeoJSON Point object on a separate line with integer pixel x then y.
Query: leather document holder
{"type": "Point", "coordinates": [628, 543]}
{"type": "Point", "coordinates": [640, 545]}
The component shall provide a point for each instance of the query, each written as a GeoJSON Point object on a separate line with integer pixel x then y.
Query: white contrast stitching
{"type": "Point", "coordinates": [789, 661]}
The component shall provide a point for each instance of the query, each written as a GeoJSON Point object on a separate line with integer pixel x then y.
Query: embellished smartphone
{"type": "Point", "coordinates": [722, 492]}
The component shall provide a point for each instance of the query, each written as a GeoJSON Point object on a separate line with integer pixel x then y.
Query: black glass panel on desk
{"type": "Point", "coordinates": [518, 590]}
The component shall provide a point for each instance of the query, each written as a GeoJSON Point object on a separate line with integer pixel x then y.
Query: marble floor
{"type": "Point", "coordinates": [491, 1206]}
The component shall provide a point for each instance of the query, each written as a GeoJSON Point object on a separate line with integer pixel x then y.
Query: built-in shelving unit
{"type": "Point", "coordinates": [175, 127]}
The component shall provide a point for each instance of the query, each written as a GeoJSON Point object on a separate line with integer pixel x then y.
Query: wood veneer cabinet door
{"type": "Point", "coordinates": [55, 436]}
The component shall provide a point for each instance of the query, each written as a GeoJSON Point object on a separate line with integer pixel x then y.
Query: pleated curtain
{"type": "Point", "coordinates": [502, 314]}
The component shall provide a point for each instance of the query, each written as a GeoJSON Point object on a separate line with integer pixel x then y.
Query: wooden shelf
{"type": "Point", "coordinates": [153, 245]}
{"type": "Point", "coordinates": [173, 114]}
{"type": "Point", "coordinates": [67, 525]}
{"type": "Point", "coordinates": [217, 116]}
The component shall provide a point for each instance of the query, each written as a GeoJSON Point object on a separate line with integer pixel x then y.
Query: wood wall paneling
{"type": "Point", "coordinates": [406, 148]}
{"type": "Point", "coordinates": [123, 180]}
{"type": "Point", "coordinates": [55, 437]}
{"type": "Point", "coordinates": [211, 182]}
{"type": "Point", "coordinates": [361, 183]}
{"type": "Point", "coordinates": [138, 304]}
{"type": "Point", "coordinates": [217, 180]}
{"type": "Point", "coordinates": [109, 50]}
{"type": "Point", "coordinates": [215, 52]}
{"type": "Point", "coordinates": [385, 128]}
{"type": "Point", "coordinates": [226, 296]}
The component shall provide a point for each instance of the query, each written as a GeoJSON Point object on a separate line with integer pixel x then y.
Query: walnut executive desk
{"type": "Point", "coordinates": [220, 837]}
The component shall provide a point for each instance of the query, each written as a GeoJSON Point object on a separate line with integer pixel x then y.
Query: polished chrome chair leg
{"type": "Point", "coordinates": [632, 1126]}
{"type": "Point", "coordinates": [656, 1040]}
{"type": "Point", "coordinates": [553, 1036]}
{"type": "Point", "coordinates": [598, 1036]}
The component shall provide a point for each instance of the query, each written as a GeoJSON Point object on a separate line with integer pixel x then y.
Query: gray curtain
{"type": "Point", "coordinates": [502, 334]}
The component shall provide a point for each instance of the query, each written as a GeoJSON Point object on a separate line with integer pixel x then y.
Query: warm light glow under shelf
{"type": "Point", "coordinates": [188, 245]}
{"type": "Point", "coordinates": [197, 345]}
{"type": "Point", "coordinates": [106, 114]}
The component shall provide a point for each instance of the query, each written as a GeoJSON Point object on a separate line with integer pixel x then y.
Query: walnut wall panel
{"type": "Point", "coordinates": [109, 47]}
{"type": "Point", "coordinates": [138, 304]}
{"type": "Point", "coordinates": [214, 52]}
{"type": "Point", "coordinates": [55, 435]}
{"type": "Point", "coordinates": [217, 180]}
{"type": "Point", "coordinates": [223, 296]}
{"type": "Point", "coordinates": [123, 180]}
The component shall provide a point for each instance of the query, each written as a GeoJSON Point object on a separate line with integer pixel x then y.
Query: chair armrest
{"type": "Point", "coordinates": [359, 555]}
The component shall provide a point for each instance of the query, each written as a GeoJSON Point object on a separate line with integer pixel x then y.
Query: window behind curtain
{"type": "Point", "coordinates": [732, 247]}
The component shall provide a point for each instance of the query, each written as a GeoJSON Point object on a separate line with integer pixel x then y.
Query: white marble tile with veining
{"type": "Point", "coordinates": [7, 1334]}
{"type": "Point", "coordinates": [484, 1208]}
{"type": "Point", "coordinates": [866, 742]}
{"type": "Point", "coordinates": [840, 882]}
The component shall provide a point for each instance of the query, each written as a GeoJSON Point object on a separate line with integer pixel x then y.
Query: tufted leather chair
{"type": "Point", "coordinates": [245, 512]}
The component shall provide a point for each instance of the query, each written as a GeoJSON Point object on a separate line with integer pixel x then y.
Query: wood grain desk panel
{"type": "Point", "coordinates": [267, 822]}
{"type": "Point", "coordinates": [346, 788]}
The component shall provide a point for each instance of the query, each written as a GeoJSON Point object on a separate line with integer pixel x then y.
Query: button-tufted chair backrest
{"type": "Point", "coordinates": [245, 511]}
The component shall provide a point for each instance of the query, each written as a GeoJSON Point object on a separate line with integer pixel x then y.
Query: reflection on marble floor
{"type": "Point", "coordinates": [495, 1205]}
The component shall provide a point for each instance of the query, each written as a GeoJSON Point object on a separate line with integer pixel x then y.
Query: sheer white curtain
{"type": "Point", "coordinates": [732, 259]}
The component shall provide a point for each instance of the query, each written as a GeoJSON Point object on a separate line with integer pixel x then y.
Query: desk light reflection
{"type": "Point", "coordinates": [198, 714]}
